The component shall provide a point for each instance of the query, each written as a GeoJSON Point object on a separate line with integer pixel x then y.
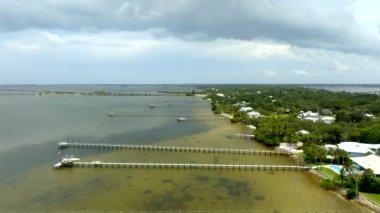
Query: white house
{"type": "Point", "coordinates": [220, 95]}
{"type": "Point", "coordinates": [355, 149]}
{"type": "Point", "coordinates": [251, 127]}
{"type": "Point", "coordinates": [327, 119]}
{"type": "Point", "coordinates": [253, 114]}
{"type": "Point", "coordinates": [368, 162]}
{"type": "Point", "coordinates": [311, 119]}
{"type": "Point", "coordinates": [245, 109]}
{"type": "Point", "coordinates": [241, 103]}
{"type": "Point", "coordinates": [303, 132]}
{"type": "Point", "coordinates": [308, 114]}
{"type": "Point", "coordinates": [314, 116]}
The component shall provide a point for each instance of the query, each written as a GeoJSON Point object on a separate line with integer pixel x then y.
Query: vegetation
{"type": "Point", "coordinates": [356, 119]}
{"type": "Point", "coordinates": [369, 183]}
{"type": "Point", "coordinates": [351, 193]}
{"type": "Point", "coordinates": [328, 173]}
{"type": "Point", "coordinates": [329, 184]}
{"type": "Point", "coordinates": [373, 197]}
{"type": "Point", "coordinates": [280, 106]}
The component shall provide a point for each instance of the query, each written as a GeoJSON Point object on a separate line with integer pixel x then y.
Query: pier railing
{"type": "Point", "coordinates": [192, 166]}
{"type": "Point", "coordinates": [63, 145]}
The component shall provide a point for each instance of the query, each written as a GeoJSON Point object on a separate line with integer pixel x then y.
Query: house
{"type": "Point", "coordinates": [309, 114]}
{"type": "Point", "coordinates": [327, 119]}
{"type": "Point", "coordinates": [245, 109]}
{"type": "Point", "coordinates": [368, 115]}
{"type": "Point", "coordinates": [220, 95]}
{"type": "Point", "coordinates": [253, 114]}
{"type": "Point", "coordinates": [355, 149]}
{"type": "Point", "coordinates": [302, 132]}
{"type": "Point", "coordinates": [368, 162]}
{"type": "Point", "coordinates": [251, 127]}
{"type": "Point", "coordinates": [314, 116]}
{"type": "Point", "coordinates": [241, 103]}
{"type": "Point", "coordinates": [311, 119]}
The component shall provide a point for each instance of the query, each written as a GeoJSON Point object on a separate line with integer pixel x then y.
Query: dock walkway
{"type": "Point", "coordinates": [63, 145]}
{"type": "Point", "coordinates": [192, 166]}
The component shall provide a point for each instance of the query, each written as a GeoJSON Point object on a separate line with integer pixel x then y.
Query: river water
{"type": "Point", "coordinates": [31, 127]}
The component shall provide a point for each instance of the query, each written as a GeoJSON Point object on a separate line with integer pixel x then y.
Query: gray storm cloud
{"type": "Point", "coordinates": [323, 24]}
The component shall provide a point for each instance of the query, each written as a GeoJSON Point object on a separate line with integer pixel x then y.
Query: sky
{"type": "Point", "coordinates": [189, 41]}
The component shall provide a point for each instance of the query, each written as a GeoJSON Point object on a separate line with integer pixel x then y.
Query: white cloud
{"type": "Point", "coordinates": [53, 38]}
{"type": "Point", "coordinates": [100, 44]}
{"type": "Point", "coordinates": [271, 73]}
{"type": "Point", "coordinates": [341, 68]}
{"type": "Point", "coordinates": [240, 49]}
{"type": "Point", "coordinates": [300, 72]}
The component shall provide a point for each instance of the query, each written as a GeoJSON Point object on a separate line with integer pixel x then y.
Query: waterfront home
{"type": "Point", "coordinates": [368, 162]}
{"type": "Point", "coordinates": [290, 147]}
{"type": "Point", "coordinates": [251, 127]}
{"type": "Point", "coordinates": [245, 109]}
{"type": "Point", "coordinates": [253, 114]}
{"type": "Point", "coordinates": [355, 149]}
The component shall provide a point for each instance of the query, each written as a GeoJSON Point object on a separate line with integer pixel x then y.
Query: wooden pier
{"type": "Point", "coordinates": [192, 166]}
{"type": "Point", "coordinates": [63, 145]}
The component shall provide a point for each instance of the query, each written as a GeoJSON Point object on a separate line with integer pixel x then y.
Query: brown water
{"type": "Point", "coordinates": [39, 188]}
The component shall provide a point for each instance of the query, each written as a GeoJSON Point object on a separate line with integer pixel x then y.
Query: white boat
{"type": "Point", "coordinates": [181, 119]}
{"type": "Point", "coordinates": [57, 165]}
{"type": "Point", "coordinates": [67, 161]}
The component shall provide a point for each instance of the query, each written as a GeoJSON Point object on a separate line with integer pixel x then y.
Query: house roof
{"type": "Point", "coordinates": [246, 109]}
{"type": "Point", "coordinates": [369, 162]}
{"type": "Point", "coordinates": [304, 132]}
{"type": "Point", "coordinates": [253, 114]}
{"type": "Point", "coordinates": [355, 147]}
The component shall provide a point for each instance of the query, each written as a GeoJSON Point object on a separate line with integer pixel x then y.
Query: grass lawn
{"type": "Point", "coordinates": [373, 197]}
{"type": "Point", "coordinates": [328, 172]}
{"type": "Point", "coordinates": [300, 154]}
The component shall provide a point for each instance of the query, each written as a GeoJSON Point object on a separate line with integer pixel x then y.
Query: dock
{"type": "Point", "coordinates": [63, 145]}
{"type": "Point", "coordinates": [101, 164]}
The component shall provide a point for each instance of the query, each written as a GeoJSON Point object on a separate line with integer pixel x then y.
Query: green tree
{"type": "Point", "coordinates": [369, 183]}
{"type": "Point", "coordinates": [333, 133]}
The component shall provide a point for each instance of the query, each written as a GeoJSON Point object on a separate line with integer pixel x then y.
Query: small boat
{"type": "Point", "coordinates": [181, 119]}
{"type": "Point", "coordinates": [152, 106]}
{"type": "Point", "coordinates": [57, 165]}
{"type": "Point", "coordinates": [67, 161]}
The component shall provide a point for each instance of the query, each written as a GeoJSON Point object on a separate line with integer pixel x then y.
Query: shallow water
{"type": "Point", "coordinates": [28, 143]}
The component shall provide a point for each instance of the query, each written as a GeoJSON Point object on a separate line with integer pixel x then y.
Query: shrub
{"type": "Point", "coordinates": [351, 193]}
{"type": "Point", "coordinates": [328, 184]}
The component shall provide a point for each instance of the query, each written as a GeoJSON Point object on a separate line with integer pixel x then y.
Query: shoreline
{"type": "Point", "coordinates": [361, 199]}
